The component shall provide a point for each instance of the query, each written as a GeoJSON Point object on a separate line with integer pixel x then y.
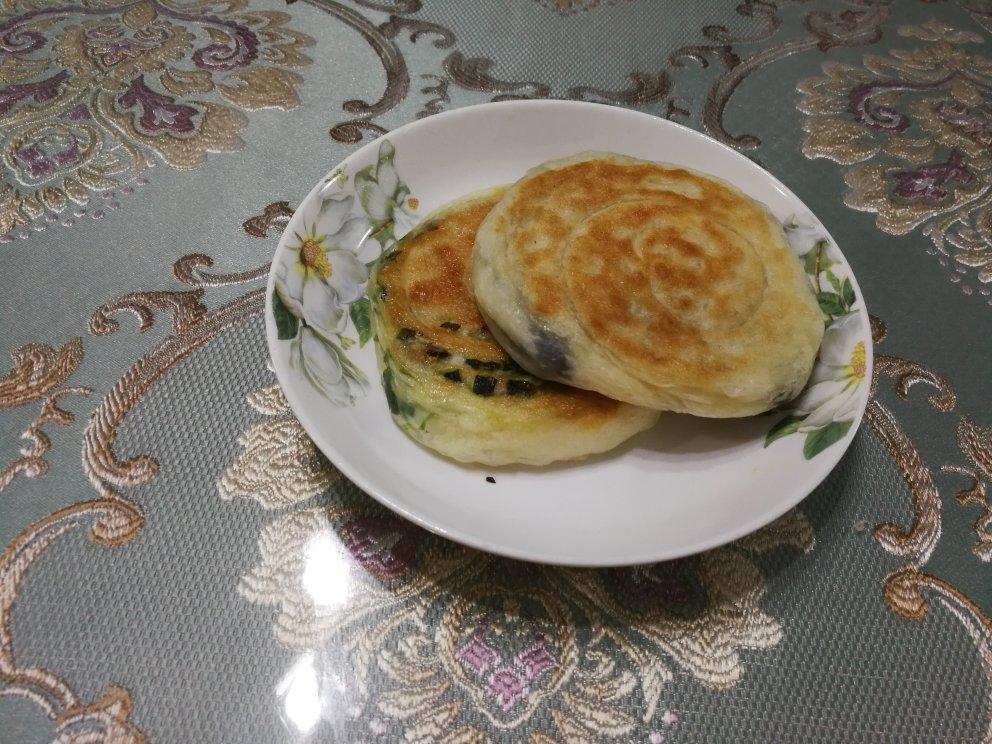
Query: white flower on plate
{"type": "Point", "coordinates": [321, 273]}
{"type": "Point", "coordinates": [324, 366]}
{"type": "Point", "coordinates": [383, 195]}
{"type": "Point", "coordinates": [832, 394]}
{"type": "Point", "coordinates": [802, 233]}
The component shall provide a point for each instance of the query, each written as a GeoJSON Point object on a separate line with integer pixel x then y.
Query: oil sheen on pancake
{"type": "Point", "coordinates": [652, 284]}
{"type": "Point", "coordinates": [450, 385]}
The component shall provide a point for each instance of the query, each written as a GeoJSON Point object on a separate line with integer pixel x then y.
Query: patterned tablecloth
{"type": "Point", "coordinates": [181, 565]}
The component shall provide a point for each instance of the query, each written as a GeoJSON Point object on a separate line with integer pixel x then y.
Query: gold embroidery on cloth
{"type": "Point", "coordinates": [275, 215]}
{"type": "Point", "coordinates": [906, 587]}
{"type": "Point", "coordinates": [32, 462]}
{"type": "Point", "coordinates": [186, 307]}
{"type": "Point", "coordinates": [449, 632]}
{"type": "Point", "coordinates": [825, 31]}
{"type": "Point", "coordinates": [916, 128]}
{"type": "Point", "coordinates": [105, 471]}
{"type": "Point", "coordinates": [193, 326]}
{"type": "Point", "coordinates": [919, 541]}
{"type": "Point", "coordinates": [976, 445]}
{"type": "Point", "coordinates": [113, 519]}
{"type": "Point", "coordinates": [96, 93]}
{"type": "Point", "coordinates": [280, 465]}
{"type": "Point", "coordinates": [106, 720]}
{"type": "Point", "coordinates": [906, 595]}
{"type": "Point", "coordinates": [38, 372]}
{"type": "Point", "coordinates": [38, 369]}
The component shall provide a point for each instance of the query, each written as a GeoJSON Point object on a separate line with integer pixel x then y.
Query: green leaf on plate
{"type": "Point", "coordinates": [831, 303]}
{"type": "Point", "coordinates": [847, 292]}
{"type": "Point", "coordinates": [783, 428]}
{"type": "Point", "coordinates": [287, 324]}
{"type": "Point", "coordinates": [817, 441]}
{"type": "Point", "coordinates": [834, 281]}
{"type": "Point", "coordinates": [361, 316]}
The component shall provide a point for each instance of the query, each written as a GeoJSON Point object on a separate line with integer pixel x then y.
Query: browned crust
{"type": "Point", "coordinates": [429, 282]}
{"type": "Point", "coordinates": [660, 265]}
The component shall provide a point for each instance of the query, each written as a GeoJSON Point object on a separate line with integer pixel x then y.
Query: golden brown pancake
{"type": "Point", "coordinates": [652, 284]}
{"type": "Point", "coordinates": [450, 385]}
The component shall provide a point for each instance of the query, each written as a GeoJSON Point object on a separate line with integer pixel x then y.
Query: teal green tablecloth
{"type": "Point", "coordinates": [158, 501]}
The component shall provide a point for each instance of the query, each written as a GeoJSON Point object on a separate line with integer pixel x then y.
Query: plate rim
{"type": "Point", "coordinates": [356, 475]}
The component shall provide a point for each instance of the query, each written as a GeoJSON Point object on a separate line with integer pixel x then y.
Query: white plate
{"type": "Point", "coordinates": [685, 486]}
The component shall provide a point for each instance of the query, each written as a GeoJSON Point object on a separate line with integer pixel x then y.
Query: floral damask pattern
{"type": "Point", "coordinates": [976, 445]}
{"type": "Point", "coordinates": [96, 93]}
{"type": "Point", "coordinates": [438, 635]}
{"type": "Point", "coordinates": [276, 446]}
{"type": "Point", "coordinates": [39, 373]}
{"type": "Point", "coordinates": [916, 127]}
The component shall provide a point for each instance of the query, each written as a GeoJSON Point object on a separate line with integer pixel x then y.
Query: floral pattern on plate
{"type": "Point", "coordinates": [827, 408]}
{"type": "Point", "coordinates": [322, 276]}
